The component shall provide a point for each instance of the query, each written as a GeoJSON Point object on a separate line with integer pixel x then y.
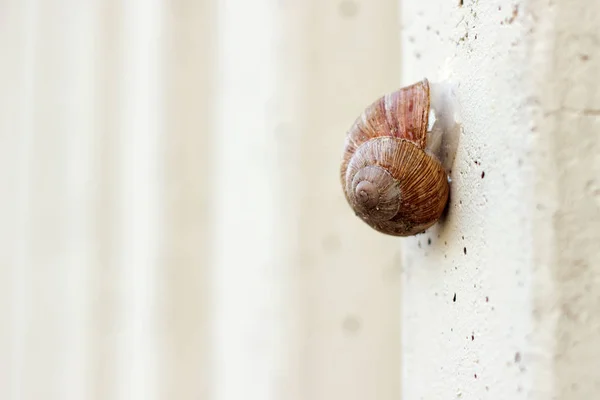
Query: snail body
{"type": "Point", "coordinates": [392, 181]}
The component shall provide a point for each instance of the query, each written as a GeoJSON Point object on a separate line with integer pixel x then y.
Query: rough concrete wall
{"type": "Point", "coordinates": [501, 298]}
{"type": "Point", "coordinates": [569, 111]}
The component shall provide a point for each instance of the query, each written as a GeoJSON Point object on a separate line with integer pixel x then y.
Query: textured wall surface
{"type": "Point", "coordinates": [501, 299]}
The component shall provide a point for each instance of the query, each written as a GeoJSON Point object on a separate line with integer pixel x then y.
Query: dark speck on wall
{"type": "Point", "coordinates": [465, 250]}
{"type": "Point", "coordinates": [429, 241]}
{"type": "Point", "coordinates": [454, 298]}
{"type": "Point", "coordinates": [514, 15]}
{"type": "Point", "coordinates": [517, 357]}
{"type": "Point", "coordinates": [482, 174]}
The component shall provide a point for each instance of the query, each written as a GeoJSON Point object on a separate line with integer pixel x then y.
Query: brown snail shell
{"type": "Point", "coordinates": [390, 179]}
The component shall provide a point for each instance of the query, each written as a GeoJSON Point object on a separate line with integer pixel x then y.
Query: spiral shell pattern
{"type": "Point", "coordinates": [389, 179]}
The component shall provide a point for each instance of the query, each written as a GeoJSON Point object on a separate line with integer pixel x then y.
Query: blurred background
{"type": "Point", "coordinates": [173, 226]}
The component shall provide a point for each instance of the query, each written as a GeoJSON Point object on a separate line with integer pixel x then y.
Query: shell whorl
{"type": "Point", "coordinates": [375, 193]}
{"type": "Point", "coordinates": [389, 179]}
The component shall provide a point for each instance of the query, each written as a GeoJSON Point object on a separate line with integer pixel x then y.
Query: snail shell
{"type": "Point", "coordinates": [390, 179]}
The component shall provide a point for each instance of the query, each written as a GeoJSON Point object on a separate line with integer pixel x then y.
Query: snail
{"type": "Point", "coordinates": [390, 175]}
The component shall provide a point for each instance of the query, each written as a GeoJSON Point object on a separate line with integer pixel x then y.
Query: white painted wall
{"type": "Point", "coordinates": [518, 247]}
{"type": "Point", "coordinates": [173, 226]}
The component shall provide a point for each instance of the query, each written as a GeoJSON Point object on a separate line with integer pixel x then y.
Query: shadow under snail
{"type": "Point", "coordinates": [391, 177]}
